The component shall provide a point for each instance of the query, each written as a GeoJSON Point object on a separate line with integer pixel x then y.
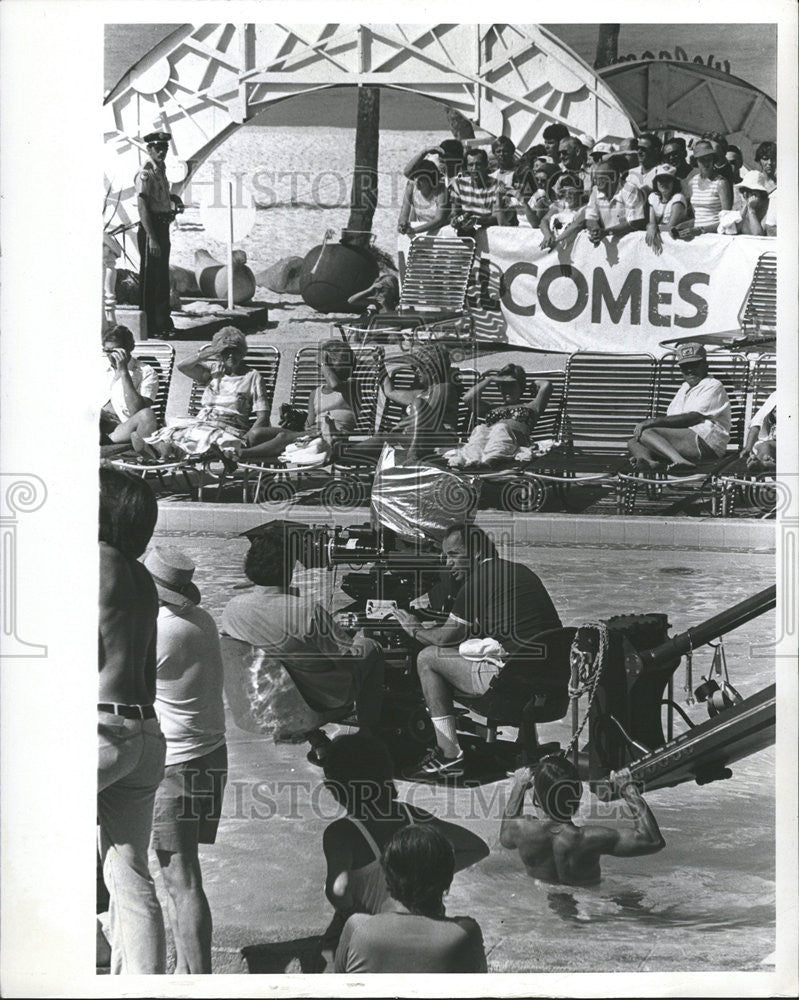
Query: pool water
{"type": "Point", "coordinates": [705, 903]}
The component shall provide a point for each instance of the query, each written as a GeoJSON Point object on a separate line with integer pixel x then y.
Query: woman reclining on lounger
{"type": "Point", "coordinates": [233, 392]}
{"type": "Point", "coordinates": [331, 410]}
{"type": "Point", "coordinates": [506, 428]}
{"type": "Point", "coordinates": [431, 417]}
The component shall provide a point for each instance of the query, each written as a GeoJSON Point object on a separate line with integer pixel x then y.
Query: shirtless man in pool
{"type": "Point", "coordinates": [553, 849]}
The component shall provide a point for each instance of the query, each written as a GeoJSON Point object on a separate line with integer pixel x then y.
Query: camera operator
{"type": "Point", "coordinates": [329, 669]}
{"type": "Point", "coordinates": [498, 599]}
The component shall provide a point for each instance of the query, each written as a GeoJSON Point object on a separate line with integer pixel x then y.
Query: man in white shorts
{"type": "Point", "coordinates": [499, 600]}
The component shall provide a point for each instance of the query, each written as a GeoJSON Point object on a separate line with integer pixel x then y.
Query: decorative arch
{"type": "Point", "coordinates": [690, 97]}
{"type": "Point", "coordinates": [201, 83]}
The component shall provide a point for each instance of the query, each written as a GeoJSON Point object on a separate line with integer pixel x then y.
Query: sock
{"type": "Point", "coordinates": [447, 735]}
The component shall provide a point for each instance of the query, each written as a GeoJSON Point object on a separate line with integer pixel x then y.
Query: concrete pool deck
{"type": "Point", "coordinates": [552, 529]}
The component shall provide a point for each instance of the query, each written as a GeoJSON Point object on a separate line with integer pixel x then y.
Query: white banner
{"type": "Point", "coordinates": [619, 297]}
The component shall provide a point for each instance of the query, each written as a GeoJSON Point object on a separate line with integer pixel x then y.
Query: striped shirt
{"type": "Point", "coordinates": [705, 197]}
{"type": "Point", "coordinates": [467, 197]}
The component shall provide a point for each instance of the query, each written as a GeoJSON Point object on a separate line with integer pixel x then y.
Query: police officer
{"type": "Point", "coordinates": [157, 208]}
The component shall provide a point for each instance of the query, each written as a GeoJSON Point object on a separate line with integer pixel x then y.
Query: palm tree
{"type": "Point", "coordinates": [607, 45]}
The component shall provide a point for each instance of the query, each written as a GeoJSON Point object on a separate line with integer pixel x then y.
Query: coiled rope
{"type": "Point", "coordinates": [588, 670]}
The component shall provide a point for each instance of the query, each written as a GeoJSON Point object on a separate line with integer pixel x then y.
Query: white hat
{"type": "Point", "coordinates": [587, 140]}
{"type": "Point", "coordinates": [603, 147]}
{"type": "Point", "coordinates": [665, 170]}
{"type": "Point", "coordinates": [753, 180]}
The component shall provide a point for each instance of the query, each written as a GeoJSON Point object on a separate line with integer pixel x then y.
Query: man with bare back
{"type": "Point", "coordinates": [553, 848]}
{"type": "Point", "coordinates": [131, 746]}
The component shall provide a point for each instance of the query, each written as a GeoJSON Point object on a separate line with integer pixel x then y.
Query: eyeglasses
{"type": "Point", "coordinates": [161, 147]}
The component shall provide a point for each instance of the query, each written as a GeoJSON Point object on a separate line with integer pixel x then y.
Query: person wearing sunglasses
{"type": "Point", "coordinates": [674, 155]}
{"type": "Point", "coordinates": [157, 208]}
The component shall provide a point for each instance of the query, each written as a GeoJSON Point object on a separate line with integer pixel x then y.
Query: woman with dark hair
{"type": "Point", "coordinates": [359, 775]}
{"type": "Point", "coordinates": [413, 933]}
{"type": "Point", "coordinates": [330, 670]}
{"type": "Point", "coordinates": [505, 428]}
{"type": "Point", "coordinates": [450, 157]}
{"type": "Point", "coordinates": [331, 410]}
{"type": "Point", "coordinates": [766, 158]}
{"type": "Point", "coordinates": [666, 205]}
{"type": "Point", "coordinates": [233, 392]}
{"type": "Point", "coordinates": [131, 747]}
{"type": "Point", "coordinates": [425, 206]}
{"type": "Point", "coordinates": [128, 511]}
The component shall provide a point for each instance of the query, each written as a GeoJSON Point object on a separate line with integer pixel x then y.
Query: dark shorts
{"type": "Point", "coordinates": [188, 802]}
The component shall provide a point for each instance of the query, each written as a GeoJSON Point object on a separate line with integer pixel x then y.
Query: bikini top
{"type": "Point", "coordinates": [368, 883]}
{"type": "Point", "coordinates": [520, 413]}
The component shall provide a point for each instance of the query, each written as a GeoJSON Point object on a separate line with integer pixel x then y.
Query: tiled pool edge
{"type": "Point", "coordinates": [686, 532]}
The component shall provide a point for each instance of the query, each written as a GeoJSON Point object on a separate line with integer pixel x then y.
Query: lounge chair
{"type": "Point", "coordinates": [265, 360]}
{"type": "Point", "coordinates": [432, 296]}
{"type": "Point", "coordinates": [758, 315]}
{"type": "Point", "coordinates": [603, 396]}
{"type": "Point", "coordinates": [280, 482]}
{"type": "Point", "coordinates": [739, 485]}
{"type": "Point", "coordinates": [732, 370]}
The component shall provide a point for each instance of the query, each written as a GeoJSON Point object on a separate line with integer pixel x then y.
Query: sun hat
{"type": "Point", "coordinates": [229, 336]}
{"type": "Point", "coordinates": [172, 571]}
{"type": "Point", "coordinates": [587, 140]}
{"type": "Point", "coordinates": [702, 148]}
{"type": "Point", "coordinates": [602, 147]}
{"type": "Point", "coordinates": [753, 180]}
{"type": "Point", "coordinates": [687, 354]}
{"type": "Point", "coordinates": [666, 170]}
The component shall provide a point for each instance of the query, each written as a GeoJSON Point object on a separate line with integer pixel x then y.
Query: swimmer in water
{"type": "Point", "coordinates": [553, 849]}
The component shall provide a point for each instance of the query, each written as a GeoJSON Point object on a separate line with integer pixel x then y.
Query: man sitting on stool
{"type": "Point", "coordinates": [498, 599]}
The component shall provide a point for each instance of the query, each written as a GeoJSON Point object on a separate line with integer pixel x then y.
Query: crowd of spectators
{"type": "Point", "coordinates": [568, 183]}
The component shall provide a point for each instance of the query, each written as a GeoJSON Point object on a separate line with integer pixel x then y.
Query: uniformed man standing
{"type": "Point", "coordinates": [157, 208]}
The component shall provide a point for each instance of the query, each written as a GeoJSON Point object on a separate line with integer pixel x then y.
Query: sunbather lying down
{"type": "Point", "coordinates": [233, 392]}
{"type": "Point", "coordinates": [331, 410]}
{"type": "Point", "coordinates": [507, 428]}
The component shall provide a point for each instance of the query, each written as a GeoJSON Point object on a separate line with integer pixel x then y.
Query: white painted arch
{"type": "Point", "coordinates": [202, 82]}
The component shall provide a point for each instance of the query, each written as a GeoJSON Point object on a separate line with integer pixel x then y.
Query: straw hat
{"type": "Point", "coordinates": [172, 571]}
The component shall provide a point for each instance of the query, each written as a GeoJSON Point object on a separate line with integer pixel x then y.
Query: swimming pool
{"type": "Point", "coordinates": [705, 903]}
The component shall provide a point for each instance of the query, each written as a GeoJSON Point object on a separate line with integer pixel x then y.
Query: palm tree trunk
{"type": "Point", "coordinates": [607, 45]}
{"type": "Point", "coordinates": [363, 196]}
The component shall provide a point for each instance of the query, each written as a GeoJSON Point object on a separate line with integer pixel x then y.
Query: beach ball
{"type": "Point", "coordinates": [331, 273]}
